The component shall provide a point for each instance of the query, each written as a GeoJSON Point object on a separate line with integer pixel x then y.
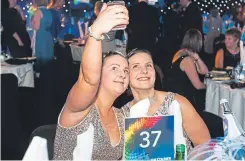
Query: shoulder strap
{"type": "Point", "coordinates": [126, 110]}
{"type": "Point", "coordinates": [169, 99]}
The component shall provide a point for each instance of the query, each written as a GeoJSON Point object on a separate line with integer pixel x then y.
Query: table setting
{"type": "Point", "coordinates": [228, 83]}
{"type": "Point", "coordinates": [77, 47]}
{"type": "Point", "coordinates": [22, 68]}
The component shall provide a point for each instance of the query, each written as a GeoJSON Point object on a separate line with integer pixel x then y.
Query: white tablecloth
{"type": "Point", "coordinates": [24, 73]}
{"type": "Point", "coordinates": [236, 98]}
{"type": "Point", "coordinates": [76, 52]}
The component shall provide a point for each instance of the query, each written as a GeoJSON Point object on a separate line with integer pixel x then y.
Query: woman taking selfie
{"type": "Point", "coordinates": [101, 80]}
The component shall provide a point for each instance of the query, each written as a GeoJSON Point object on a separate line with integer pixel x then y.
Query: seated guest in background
{"type": "Point", "coordinates": [41, 23]}
{"type": "Point", "coordinates": [15, 34]}
{"type": "Point", "coordinates": [183, 77]}
{"type": "Point", "coordinates": [102, 79]}
{"type": "Point", "coordinates": [142, 78]}
{"type": "Point", "coordinates": [230, 54]}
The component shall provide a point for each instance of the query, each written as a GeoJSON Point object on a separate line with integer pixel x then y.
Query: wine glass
{"type": "Point", "coordinates": [239, 69]}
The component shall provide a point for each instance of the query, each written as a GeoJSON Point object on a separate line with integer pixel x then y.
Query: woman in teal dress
{"type": "Point", "coordinates": [41, 22]}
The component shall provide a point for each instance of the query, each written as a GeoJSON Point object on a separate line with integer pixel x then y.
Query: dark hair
{"type": "Point", "coordinates": [214, 12]}
{"type": "Point", "coordinates": [192, 40]}
{"type": "Point", "coordinates": [235, 33]}
{"type": "Point", "coordinates": [112, 53]}
{"type": "Point", "coordinates": [136, 51]}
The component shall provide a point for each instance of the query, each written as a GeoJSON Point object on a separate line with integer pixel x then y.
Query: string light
{"type": "Point", "coordinates": [222, 5]}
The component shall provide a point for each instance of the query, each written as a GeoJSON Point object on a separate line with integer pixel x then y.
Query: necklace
{"type": "Point", "coordinates": [152, 98]}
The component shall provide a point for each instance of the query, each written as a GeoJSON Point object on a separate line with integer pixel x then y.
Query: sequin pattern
{"type": "Point", "coordinates": [66, 138]}
{"type": "Point", "coordinates": [163, 110]}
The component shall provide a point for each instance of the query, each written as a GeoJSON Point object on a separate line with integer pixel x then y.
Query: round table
{"type": "Point", "coordinates": [216, 90]}
{"type": "Point", "coordinates": [24, 73]}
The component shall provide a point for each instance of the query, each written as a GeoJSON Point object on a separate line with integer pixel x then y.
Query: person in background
{"type": "Point", "coordinates": [108, 43]}
{"type": "Point", "coordinates": [54, 8]}
{"type": "Point", "coordinates": [141, 82]}
{"type": "Point", "coordinates": [192, 17]}
{"type": "Point", "coordinates": [15, 35]}
{"type": "Point", "coordinates": [214, 24]}
{"type": "Point", "coordinates": [12, 4]}
{"type": "Point", "coordinates": [183, 77]}
{"type": "Point", "coordinates": [143, 27]}
{"type": "Point", "coordinates": [230, 54]}
{"type": "Point", "coordinates": [102, 78]}
{"type": "Point", "coordinates": [41, 22]}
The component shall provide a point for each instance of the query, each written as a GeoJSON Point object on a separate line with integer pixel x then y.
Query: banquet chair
{"type": "Point", "coordinates": [12, 135]}
{"type": "Point", "coordinates": [218, 43]}
{"type": "Point", "coordinates": [214, 124]}
{"type": "Point", "coordinates": [68, 37]}
{"type": "Point", "coordinates": [48, 132]}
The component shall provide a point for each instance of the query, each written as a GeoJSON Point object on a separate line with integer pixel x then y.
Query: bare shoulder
{"type": "Point", "coordinates": [161, 94]}
{"type": "Point", "coordinates": [220, 52]}
{"type": "Point", "coordinates": [184, 103]}
{"type": "Point", "coordinates": [37, 11]}
{"type": "Point", "coordinates": [188, 60]}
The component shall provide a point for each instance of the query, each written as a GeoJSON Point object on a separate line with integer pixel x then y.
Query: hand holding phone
{"type": "Point", "coordinates": [110, 18]}
{"type": "Point", "coordinates": [119, 27]}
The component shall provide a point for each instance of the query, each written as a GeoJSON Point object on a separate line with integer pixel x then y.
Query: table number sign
{"type": "Point", "coordinates": [149, 138]}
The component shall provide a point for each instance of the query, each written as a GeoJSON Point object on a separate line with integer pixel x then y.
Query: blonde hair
{"type": "Point", "coordinates": [98, 5]}
{"type": "Point", "coordinates": [41, 2]}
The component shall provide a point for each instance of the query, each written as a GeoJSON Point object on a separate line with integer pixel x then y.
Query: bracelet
{"type": "Point", "coordinates": [90, 34]}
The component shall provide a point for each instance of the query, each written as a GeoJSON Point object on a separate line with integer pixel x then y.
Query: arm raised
{"type": "Point", "coordinates": [83, 93]}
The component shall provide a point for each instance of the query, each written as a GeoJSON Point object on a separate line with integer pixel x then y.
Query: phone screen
{"type": "Point", "coordinates": [119, 27]}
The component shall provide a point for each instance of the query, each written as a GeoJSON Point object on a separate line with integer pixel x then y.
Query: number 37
{"type": "Point", "coordinates": [146, 136]}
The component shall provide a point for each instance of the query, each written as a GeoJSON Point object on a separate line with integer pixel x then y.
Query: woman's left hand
{"type": "Point", "coordinates": [195, 56]}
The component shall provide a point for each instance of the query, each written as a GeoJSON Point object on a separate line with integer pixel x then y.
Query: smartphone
{"type": "Point", "coordinates": [119, 27]}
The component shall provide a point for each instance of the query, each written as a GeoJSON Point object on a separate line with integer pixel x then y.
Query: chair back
{"type": "Point", "coordinates": [48, 132]}
{"type": "Point", "coordinates": [68, 37]}
{"type": "Point", "coordinates": [214, 124]}
{"type": "Point", "coordinates": [10, 118]}
{"type": "Point", "coordinates": [219, 43]}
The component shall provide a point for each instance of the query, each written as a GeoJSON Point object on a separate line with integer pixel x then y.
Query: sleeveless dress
{"type": "Point", "coordinates": [231, 59]}
{"type": "Point", "coordinates": [177, 81]}
{"type": "Point", "coordinates": [162, 110]}
{"type": "Point", "coordinates": [44, 40]}
{"type": "Point", "coordinates": [66, 138]}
